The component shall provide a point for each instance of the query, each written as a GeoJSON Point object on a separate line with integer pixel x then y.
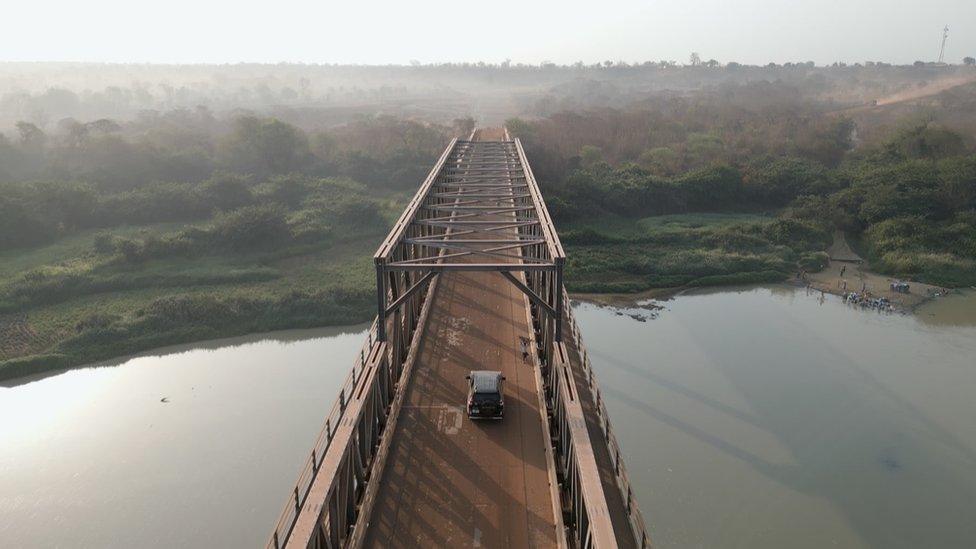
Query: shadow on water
{"type": "Point", "coordinates": [897, 476]}
{"type": "Point", "coordinates": [281, 336]}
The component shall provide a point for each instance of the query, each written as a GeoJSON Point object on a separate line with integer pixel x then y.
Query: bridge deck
{"type": "Point", "coordinates": [437, 478]}
{"type": "Point", "coordinates": [451, 481]}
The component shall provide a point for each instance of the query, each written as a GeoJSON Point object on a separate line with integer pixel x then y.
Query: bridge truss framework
{"type": "Point", "coordinates": [479, 209]}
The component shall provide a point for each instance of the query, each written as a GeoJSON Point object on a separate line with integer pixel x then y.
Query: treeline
{"type": "Point", "coordinates": [909, 200]}
{"type": "Point", "coordinates": [255, 227]}
{"type": "Point", "coordinates": [670, 135]}
{"type": "Point", "coordinates": [182, 167]}
{"type": "Point", "coordinates": [632, 190]}
{"type": "Point", "coordinates": [184, 145]}
{"type": "Point", "coordinates": [37, 213]}
{"type": "Point", "coordinates": [120, 236]}
{"type": "Point", "coordinates": [44, 93]}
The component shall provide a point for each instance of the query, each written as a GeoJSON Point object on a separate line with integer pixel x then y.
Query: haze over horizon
{"type": "Point", "coordinates": [370, 32]}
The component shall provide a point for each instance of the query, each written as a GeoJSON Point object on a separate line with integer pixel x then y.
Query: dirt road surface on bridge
{"type": "Point", "coordinates": [451, 481]}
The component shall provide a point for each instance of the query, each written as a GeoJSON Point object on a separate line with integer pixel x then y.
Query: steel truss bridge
{"type": "Point", "coordinates": [470, 277]}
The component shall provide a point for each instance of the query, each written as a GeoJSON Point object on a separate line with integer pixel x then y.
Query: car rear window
{"type": "Point", "coordinates": [485, 383]}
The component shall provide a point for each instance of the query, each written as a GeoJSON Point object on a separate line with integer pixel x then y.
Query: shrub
{"type": "Point", "coordinates": [756, 277]}
{"type": "Point", "coordinates": [251, 227]}
{"type": "Point", "coordinates": [225, 191]}
{"type": "Point", "coordinates": [96, 321]}
{"type": "Point", "coordinates": [814, 262]}
{"type": "Point", "coordinates": [103, 244]}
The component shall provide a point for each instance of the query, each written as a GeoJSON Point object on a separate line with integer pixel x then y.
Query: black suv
{"type": "Point", "coordinates": [485, 395]}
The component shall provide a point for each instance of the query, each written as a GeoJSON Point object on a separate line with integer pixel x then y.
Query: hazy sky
{"type": "Point", "coordinates": [370, 32]}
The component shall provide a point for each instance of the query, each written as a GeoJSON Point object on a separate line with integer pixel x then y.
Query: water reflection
{"type": "Point", "coordinates": [283, 336]}
{"type": "Point", "coordinates": [190, 446]}
{"type": "Point", "coordinates": [750, 417]}
{"type": "Point", "coordinates": [760, 418]}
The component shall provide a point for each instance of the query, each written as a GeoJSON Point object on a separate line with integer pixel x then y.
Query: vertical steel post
{"type": "Point", "coordinates": [559, 298]}
{"type": "Point", "coordinates": [380, 301]}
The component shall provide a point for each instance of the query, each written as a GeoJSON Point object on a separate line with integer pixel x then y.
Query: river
{"type": "Point", "coordinates": [758, 417]}
{"type": "Point", "coordinates": [767, 418]}
{"type": "Point", "coordinates": [92, 457]}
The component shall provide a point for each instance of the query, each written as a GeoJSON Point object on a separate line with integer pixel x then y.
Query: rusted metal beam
{"type": "Point", "coordinates": [528, 292]}
{"type": "Point", "coordinates": [413, 289]}
{"type": "Point", "coordinates": [475, 189]}
{"type": "Point", "coordinates": [469, 267]}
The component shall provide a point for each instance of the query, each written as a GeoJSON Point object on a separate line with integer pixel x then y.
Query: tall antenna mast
{"type": "Point", "coordinates": [945, 35]}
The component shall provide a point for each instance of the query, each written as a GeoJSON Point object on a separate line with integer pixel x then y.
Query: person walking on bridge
{"type": "Point", "coordinates": [524, 344]}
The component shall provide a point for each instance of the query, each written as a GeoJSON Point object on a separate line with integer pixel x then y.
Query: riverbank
{"type": "Point", "coordinates": [307, 287]}
{"type": "Point", "coordinates": [845, 272]}
{"type": "Point", "coordinates": [841, 278]}
{"type": "Point", "coordinates": [702, 394]}
{"type": "Point", "coordinates": [848, 272]}
{"type": "Point", "coordinates": [618, 263]}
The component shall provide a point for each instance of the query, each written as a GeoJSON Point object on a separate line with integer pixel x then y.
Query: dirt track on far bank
{"type": "Point", "coordinates": [912, 93]}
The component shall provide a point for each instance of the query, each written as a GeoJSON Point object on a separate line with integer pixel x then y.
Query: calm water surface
{"type": "Point", "coordinates": [92, 458]}
{"type": "Point", "coordinates": [763, 418]}
{"type": "Point", "coordinates": [755, 418]}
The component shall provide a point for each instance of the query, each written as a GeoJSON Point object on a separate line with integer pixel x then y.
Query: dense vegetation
{"type": "Point", "coordinates": [117, 238]}
{"type": "Point", "coordinates": [907, 199]}
{"type": "Point", "coordinates": [203, 201]}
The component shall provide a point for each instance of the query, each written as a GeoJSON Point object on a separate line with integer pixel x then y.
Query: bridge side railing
{"type": "Point", "coordinates": [327, 518]}
{"type": "Point", "coordinates": [635, 517]}
{"type": "Point", "coordinates": [295, 501]}
{"type": "Point", "coordinates": [322, 509]}
{"type": "Point", "coordinates": [590, 524]}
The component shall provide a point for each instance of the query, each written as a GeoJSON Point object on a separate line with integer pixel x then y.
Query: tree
{"type": "Point", "coordinates": [660, 160]}
{"type": "Point", "coordinates": [103, 126]}
{"type": "Point", "coordinates": [266, 145]}
{"type": "Point", "coordinates": [970, 61]}
{"type": "Point", "coordinates": [74, 132]}
{"type": "Point", "coordinates": [704, 148]}
{"type": "Point", "coordinates": [251, 227]}
{"type": "Point", "coordinates": [18, 228]}
{"type": "Point", "coordinates": [590, 155]}
{"type": "Point", "coordinates": [30, 135]}
{"type": "Point", "coordinates": [695, 59]}
{"type": "Point", "coordinates": [925, 141]}
{"type": "Point", "coordinates": [224, 191]}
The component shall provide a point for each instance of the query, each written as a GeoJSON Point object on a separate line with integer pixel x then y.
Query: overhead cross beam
{"type": "Point", "coordinates": [479, 209]}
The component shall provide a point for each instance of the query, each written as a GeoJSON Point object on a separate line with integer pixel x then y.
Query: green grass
{"type": "Point", "coordinates": [699, 221]}
{"type": "Point", "coordinates": [71, 250]}
{"type": "Point", "coordinates": [64, 304]}
{"type": "Point", "coordinates": [616, 226]}
{"type": "Point", "coordinates": [614, 254]}
{"type": "Point", "coordinates": [91, 307]}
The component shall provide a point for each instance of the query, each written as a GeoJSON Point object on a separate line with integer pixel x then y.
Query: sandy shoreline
{"type": "Point", "coordinates": [828, 281]}
{"type": "Point", "coordinates": [845, 273]}
{"type": "Point", "coordinates": [840, 278]}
